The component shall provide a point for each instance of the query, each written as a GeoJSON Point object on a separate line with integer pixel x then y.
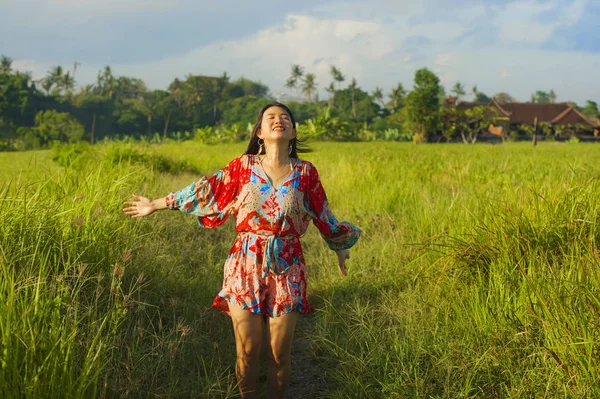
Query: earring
{"type": "Point", "coordinates": [291, 148]}
{"type": "Point", "coordinates": [260, 146]}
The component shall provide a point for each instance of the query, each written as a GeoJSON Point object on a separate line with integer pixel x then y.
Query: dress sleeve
{"type": "Point", "coordinates": [337, 235]}
{"type": "Point", "coordinates": [210, 198]}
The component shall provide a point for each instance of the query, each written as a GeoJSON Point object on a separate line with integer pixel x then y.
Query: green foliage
{"type": "Point", "coordinates": [527, 129]}
{"type": "Point", "coordinates": [475, 121]}
{"type": "Point", "coordinates": [354, 104]}
{"type": "Point", "coordinates": [503, 98]}
{"type": "Point", "coordinates": [242, 110]}
{"type": "Point", "coordinates": [591, 109]}
{"type": "Point", "coordinates": [397, 98]}
{"type": "Point", "coordinates": [482, 98]}
{"type": "Point", "coordinates": [393, 134]}
{"type": "Point", "coordinates": [422, 105]}
{"type": "Point", "coordinates": [51, 126]}
{"type": "Point", "coordinates": [541, 97]}
{"type": "Point", "coordinates": [75, 156]}
{"type": "Point", "coordinates": [458, 90]}
{"type": "Point", "coordinates": [450, 116]}
{"type": "Point", "coordinates": [305, 110]}
{"type": "Point", "coordinates": [118, 154]}
{"type": "Point", "coordinates": [546, 129]}
{"type": "Point", "coordinates": [19, 103]}
{"type": "Point", "coordinates": [223, 133]}
{"type": "Point", "coordinates": [123, 106]}
{"type": "Point", "coordinates": [252, 88]}
{"type": "Point", "coordinates": [325, 127]}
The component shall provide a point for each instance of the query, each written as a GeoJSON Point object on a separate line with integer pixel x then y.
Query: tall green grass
{"type": "Point", "coordinates": [476, 275]}
{"type": "Point", "coordinates": [95, 304]}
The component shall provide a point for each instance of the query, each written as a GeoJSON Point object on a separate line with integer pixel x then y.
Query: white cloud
{"type": "Point", "coordinates": [522, 21]}
{"type": "Point", "coordinates": [443, 60]}
{"type": "Point", "coordinates": [313, 43]}
{"type": "Point", "coordinates": [371, 50]}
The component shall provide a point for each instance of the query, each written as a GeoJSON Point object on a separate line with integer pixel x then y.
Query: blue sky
{"type": "Point", "coordinates": [516, 47]}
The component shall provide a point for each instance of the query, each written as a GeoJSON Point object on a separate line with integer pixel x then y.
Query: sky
{"type": "Point", "coordinates": [517, 47]}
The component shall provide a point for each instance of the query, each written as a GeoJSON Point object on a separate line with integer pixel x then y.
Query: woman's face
{"type": "Point", "coordinates": [276, 125]}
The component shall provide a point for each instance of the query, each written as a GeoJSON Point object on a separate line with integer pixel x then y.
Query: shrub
{"type": "Point", "coordinates": [118, 154]}
{"type": "Point", "coordinates": [72, 155]}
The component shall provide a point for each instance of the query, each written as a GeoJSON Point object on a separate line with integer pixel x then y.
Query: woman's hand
{"type": "Point", "coordinates": [142, 207]}
{"type": "Point", "coordinates": [342, 256]}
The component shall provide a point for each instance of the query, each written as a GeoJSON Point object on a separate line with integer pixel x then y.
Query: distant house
{"type": "Point", "coordinates": [516, 114]}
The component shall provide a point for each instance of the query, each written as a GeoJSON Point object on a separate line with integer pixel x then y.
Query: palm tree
{"type": "Point", "coordinates": [337, 76]}
{"type": "Point", "coordinates": [176, 88]}
{"type": "Point", "coordinates": [217, 92]}
{"type": "Point", "coordinates": [106, 83]}
{"type": "Point", "coordinates": [475, 92]}
{"type": "Point", "coordinates": [75, 65]}
{"type": "Point", "coordinates": [194, 91]}
{"type": "Point", "coordinates": [458, 90]}
{"type": "Point", "coordinates": [297, 73]}
{"type": "Point", "coordinates": [290, 84]}
{"type": "Point", "coordinates": [47, 84]}
{"type": "Point", "coordinates": [6, 65]}
{"type": "Point", "coordinates": [149, 105]}
{"type": "Point", "coordinates": [378, 95]}
{"type": "Point", "coordinates": [52, 81]}
{"type": "Point", "coordinates": [331, 90]}
{"type": "Point", "coordinates": [309, 85]}
{"type": "Point", "coordinates": [397, 97]}
{"type": "Point", "coordinates": [353, 87]}
{"type": "Point", "coordinates": [66, 83]}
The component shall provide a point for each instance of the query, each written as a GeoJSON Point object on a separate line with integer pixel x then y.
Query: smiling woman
{"type": "Point", "coordinates": [273, 195]}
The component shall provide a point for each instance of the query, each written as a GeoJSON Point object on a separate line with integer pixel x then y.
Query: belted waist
{"type": "Point", "coordinates": [272, 260]}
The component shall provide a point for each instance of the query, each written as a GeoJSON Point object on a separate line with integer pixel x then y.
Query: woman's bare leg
{"type": "Point", "coordinates": [247, 327]}
{"type": "Point", "coordinates": [280, 335]}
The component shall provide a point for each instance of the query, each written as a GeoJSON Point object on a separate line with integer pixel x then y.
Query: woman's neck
{"type": "Point", "coordinates": [277, 154]}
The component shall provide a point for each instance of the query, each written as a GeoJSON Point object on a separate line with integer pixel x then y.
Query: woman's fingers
{"type": "Point", "coordinates": [141, 207]}
{"type": "Point", "coordinates": [141, 198]}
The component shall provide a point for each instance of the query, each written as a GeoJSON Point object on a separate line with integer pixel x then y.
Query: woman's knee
{"type": "Point", "coordinates": [248, 351]}
{"type": "Point", "coordinates": [279, 359]}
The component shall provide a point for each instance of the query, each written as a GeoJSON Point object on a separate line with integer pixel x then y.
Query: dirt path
{"type": "Point", "coordinates": [308, 380]}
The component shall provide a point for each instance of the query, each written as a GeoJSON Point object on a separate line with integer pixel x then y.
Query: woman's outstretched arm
{"type": "Point", "coordinates": [339, 236]}
{"type": "Point", "coordinates": [144, 206]}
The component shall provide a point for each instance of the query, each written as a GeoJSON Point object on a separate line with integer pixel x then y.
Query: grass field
{"type": "Point", "coordinates": [477, 275]}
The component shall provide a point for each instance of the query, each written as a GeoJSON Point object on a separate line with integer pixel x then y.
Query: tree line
{"type": "Point", "coordinates": [37, 113]}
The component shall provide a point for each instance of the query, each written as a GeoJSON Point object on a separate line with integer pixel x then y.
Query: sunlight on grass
{"type": "Point", "coordinates": [477, 275]}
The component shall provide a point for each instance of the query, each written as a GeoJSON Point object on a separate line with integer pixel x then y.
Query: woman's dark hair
{"type": "Point", "coordinates": [297, 144]}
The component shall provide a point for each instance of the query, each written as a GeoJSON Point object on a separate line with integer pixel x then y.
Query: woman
{"type": "Point", "coordinates": [273, 195]}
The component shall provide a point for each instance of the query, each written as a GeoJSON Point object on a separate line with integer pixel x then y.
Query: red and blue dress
{"type": "Point", "coordinates": [265, 270]}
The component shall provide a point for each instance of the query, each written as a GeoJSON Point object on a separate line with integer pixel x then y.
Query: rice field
{"type": "Point", "coordinates": [477, 275]}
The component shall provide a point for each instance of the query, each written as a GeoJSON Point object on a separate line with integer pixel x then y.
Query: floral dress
{"type": "Point", "coordinates": [265, 270]}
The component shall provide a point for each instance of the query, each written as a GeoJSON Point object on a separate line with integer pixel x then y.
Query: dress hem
{"type": "Point", "coordinates": [220, 304]}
